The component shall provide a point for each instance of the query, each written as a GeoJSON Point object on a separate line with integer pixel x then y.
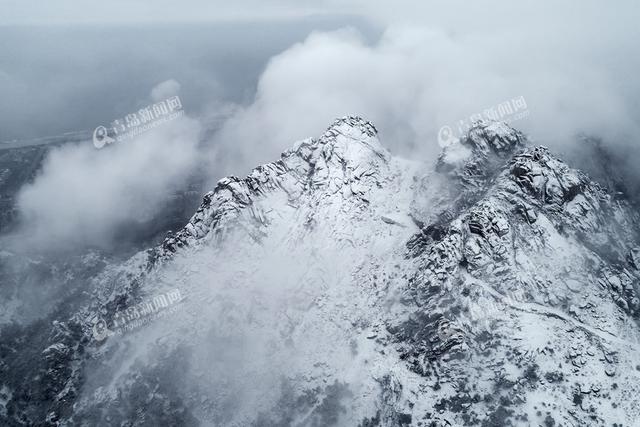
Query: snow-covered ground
{"type": "Point", "coordinates": [340, 285]}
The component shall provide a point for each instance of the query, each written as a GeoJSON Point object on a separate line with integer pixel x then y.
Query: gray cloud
{"type": "Point", "coordinates": [434, 65]}
{"type": "Point", "coordinates": [122, 11]}
{"type": "Point", "coordinates": [56, 79]}
{"type": "Point", "coordinates": [417, 78]}
{"type": "Point", "coordinates": [83, 195]}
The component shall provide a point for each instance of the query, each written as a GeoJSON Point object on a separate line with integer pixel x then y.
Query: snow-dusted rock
{"type": "Point", "coordinates": [340, 285]}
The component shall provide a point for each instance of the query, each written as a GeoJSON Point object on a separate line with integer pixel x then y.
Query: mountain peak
{"type": "Point", "coordinates": [525, 263]}
{"type": "Point", "coordinates": [493, 137]}
{"type": "Point", "coordinates": [355, 122]}
{"type": "Point", "coordinates": [510, 287]}
{"type": "Point", "coordinates": [344, 132]}
{"type": "Point", "coordinates": [476, 155]}
{"type": "Point", "coordinates": [347, 157]}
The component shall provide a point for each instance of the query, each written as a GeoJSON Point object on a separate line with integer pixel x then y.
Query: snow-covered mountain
{"type": "Point", "coordinates": [341, 285]}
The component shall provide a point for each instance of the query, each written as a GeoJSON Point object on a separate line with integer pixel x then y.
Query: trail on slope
{"type": "Point", "coordinates": [534, 308]}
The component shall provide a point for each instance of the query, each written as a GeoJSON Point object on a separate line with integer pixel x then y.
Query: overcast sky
{"type": "Point", "coordinates": [121, 11]}
{"type": "Point", "coordinates": [71, 64]}
{"type": "Point", "coordinates": [62, 78]}
{"type": "Point", "coordinates": [74, 64]}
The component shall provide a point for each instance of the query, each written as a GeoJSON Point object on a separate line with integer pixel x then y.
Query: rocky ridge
{"type": "Point", "coordinates": [511, 298]}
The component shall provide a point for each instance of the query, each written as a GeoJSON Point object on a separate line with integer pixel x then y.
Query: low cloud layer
{"type": "Point", "coordinates": [83, 195]}
{"type": "Point", "coordinates": [432, 66]}
{"type": "Point", "coordinates": [574, 69]}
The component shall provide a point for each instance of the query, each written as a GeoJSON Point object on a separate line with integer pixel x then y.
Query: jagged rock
{"type": "Point", "coordinates": [473, 158]}
{"type": "Point", "coordinates": [634, 258]}
{"type": "Point", "coordinates": [508, 291]}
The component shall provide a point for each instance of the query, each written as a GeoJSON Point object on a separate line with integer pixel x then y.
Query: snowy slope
{"type": "Point", "coordinates": [341, 285]}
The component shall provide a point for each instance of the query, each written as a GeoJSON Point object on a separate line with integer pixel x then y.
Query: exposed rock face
{"type": "Point", "coordinates": [355, 288]}
{"type": "Point", "coordinates": [331, 163]}
{"type": "Point", "coordinates": [525, 272]}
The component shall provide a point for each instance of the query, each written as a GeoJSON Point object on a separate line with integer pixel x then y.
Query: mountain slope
{"type": "Point", "coordinates": [340, 285]}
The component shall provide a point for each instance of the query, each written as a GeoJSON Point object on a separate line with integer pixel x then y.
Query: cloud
{"type": "Point", "coordinates": [103, 70]}
{"type": "Point", "coordinates": [83, 195]}
{"type": "Point", "coordinates": [165, 90]}
{"type": "Point", "coordinates": [433, 66]}
{"type": "Point", "coordinates": [437, 65]}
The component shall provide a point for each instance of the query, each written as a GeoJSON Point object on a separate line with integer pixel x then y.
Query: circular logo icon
{"type": "Point", "coordinates": [101, 137]}
{"type": "Point", "coordinates": [445, 136]}
{"type": "Point", "coordinates": [100, 330]}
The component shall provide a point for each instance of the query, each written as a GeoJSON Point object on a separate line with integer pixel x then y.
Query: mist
{"type": "Point", "coordinates": [63, 78]}
{"type": "Point", "coordinates": [83, 195]}
{"type": "Point", "coordinates": [426, 68]}
{"type": "Point", "coordinates": [415, 79]}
